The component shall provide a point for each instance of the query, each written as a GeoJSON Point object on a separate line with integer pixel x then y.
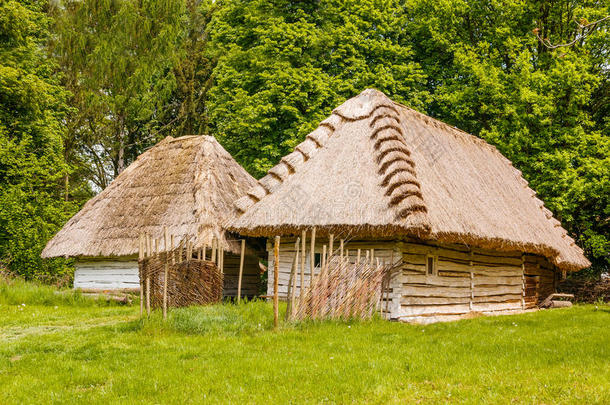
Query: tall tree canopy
{"type": "Point", "coordinates": [531, 77]}
{"type": "Point", "coordinates": [283, 65]}
{"type": "Point", "coordinates": [32, 108]}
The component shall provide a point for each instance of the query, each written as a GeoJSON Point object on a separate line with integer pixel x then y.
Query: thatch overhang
{"type": "Point", "coordinates": [378, 169]}
{"type": "Point", "coordinates": [186, 184]}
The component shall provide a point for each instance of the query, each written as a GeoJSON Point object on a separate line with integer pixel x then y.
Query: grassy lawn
{"type": "Point", "coordinates": [69, 349]}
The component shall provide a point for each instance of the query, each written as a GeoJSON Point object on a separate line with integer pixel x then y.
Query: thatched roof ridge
{"type": "Point", "coordinates": [376, 168]}
{"type": "Point", "coordinates": [188, 184]}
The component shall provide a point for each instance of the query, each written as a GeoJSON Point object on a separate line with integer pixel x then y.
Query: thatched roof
{"type": "Point", "coordinates": [188, 184]}
{"type": "Point", "coordinates": [376, 168]}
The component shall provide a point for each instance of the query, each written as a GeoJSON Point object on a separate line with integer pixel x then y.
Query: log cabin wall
{"type": "Point", "coordinates": [465, 280]}
{"type": "Point", "coordinates": [384, 250]}
{"type": "Point", "coordinates": [250, 282]}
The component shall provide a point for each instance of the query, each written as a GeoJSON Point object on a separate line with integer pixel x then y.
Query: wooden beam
{"type": "Point", "coordinates": [165, 271]}
{"type": "Point", "coordinates": [303, 247]}
{"type": "Point", "coordinates": [141, 258]}
{"type": "Point", "coordinates": [241, 268]}
{"type": "Point", "coordinates": [276, 270]}
{"type": "Point", "coordinates": [312, 256]}
{"type": "Point", "coordinates": [292, 280]}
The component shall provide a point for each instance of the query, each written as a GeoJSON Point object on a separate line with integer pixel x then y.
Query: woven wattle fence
{"type": "Point", "coordinates": [343, 290]}
{"type": "Point", "coordinates": [189, 282]}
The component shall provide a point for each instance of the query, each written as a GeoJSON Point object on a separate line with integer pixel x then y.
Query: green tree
{"type": "Point", "coordinates": [545, 108]}
{"type": "Point", "coordinates": [116, 58]}
{"type": "Point", "coordinates": [32, 108]}
{"type": "Point", "coordinates": [284, 65]}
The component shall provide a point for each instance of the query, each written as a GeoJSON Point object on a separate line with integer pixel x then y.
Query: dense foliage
{"type": "Point", "coordinates": [88, 85]}
{"type": "Point", "coordinates": [32, 108]}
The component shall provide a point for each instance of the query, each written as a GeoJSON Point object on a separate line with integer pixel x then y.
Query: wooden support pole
{"type": "Point", "coordinates": [166, 271]}
{"type": "Point", "coordinates": [241, 268]}
{"type": "Point", "coordinates": [276, 270]}
{"type": "Point", "coordinates": [303, 246]}
{"type": "Point", "coordinates": [141, 257]}
{"type": "Point", "coordinates": [292, 281]}
{"type": "Point", "coordinates": [172, 249]}
{"type": "Point", "coordinates": [341, 248]}
{"type": "Point", "coordinates": [330, 246]}
{"type": "Point", "coordinates": [323, 267]}
{"type": "Point", "coordinates": [522, 281]}
{"type": "Point", "coordinates": [372, 256]}
{"type": "Point", "coordinates": [203, 253]}
{"type": "Point", "coordinates": [358, 257]}
{"type": "Point", "coordinates": [149, 251]}
{"type": "Point", "coordinates": [214, 249]}
{"type": "Point", "coordinates": [471, 268]}
{"type": "Point", "coordinates": [221, 259]}
{"type": "Point", "coordinates": [312, 256]}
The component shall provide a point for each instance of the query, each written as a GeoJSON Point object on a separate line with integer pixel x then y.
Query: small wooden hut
{"type": "Point", "coordinates": [471, 235]}
{"type": "Point", "coordinates": [186, 184]}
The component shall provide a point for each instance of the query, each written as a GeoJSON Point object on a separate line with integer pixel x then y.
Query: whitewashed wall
{"type": "Point", "coordinates": [106, 274]}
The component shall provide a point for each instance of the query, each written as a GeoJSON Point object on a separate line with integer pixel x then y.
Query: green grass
{"type": "Point", "coordinates": [78, 351]}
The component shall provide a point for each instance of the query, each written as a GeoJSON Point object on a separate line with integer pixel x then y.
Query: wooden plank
{"type": "Point", "coordinates": [435, 281]}
{"type": "Point", "coordinates": [434, 309]}
{"type": "Point", "coordinates": [241, 268]}
{"type": "Point", "coordinates": [433, 300]}
{"type": "Point", "coordinates": [498, 290]}
{"type": "Point", "coordinates": [276, 254]}
{"type": "Point", "coordinates": [426, 291]}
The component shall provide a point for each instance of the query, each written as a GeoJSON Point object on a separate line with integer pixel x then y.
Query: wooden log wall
{"type": "Point", "coordinates": [466, 281]}
{"type": "Point", "coordinates": [382, 251]}
{"type": "Point", "coordinates": [250, 283]}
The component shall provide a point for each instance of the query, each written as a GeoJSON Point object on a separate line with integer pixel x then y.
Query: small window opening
{"type": "Point", "coordinates": [317, 259]}
{"type": "Point", "coordinates": [431, 266]}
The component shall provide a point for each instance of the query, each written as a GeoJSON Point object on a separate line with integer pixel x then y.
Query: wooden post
{"type": "Point", "coordinates": [166, 272]}
{"type": "Point", "coordinates": [358, 257]}
{"type": "Point", "coordinates": [303, 246]}
{"type": "Point", "coordinates": [149, 249]}
{"type": "Point", "coordinates": [522, 281]}
{"type": "Point", "coordinates": [214, 249]}
{"type": "Point", "coordinates": [172, 249]}
{"type": "Point", "coordinates": [323, 266]}
{"type": "Point", "coordinates": [312, 256]}
{"type": "Point", "coordinates": [292, 280]}
{"type": "Point", "coordinates": [241, 268]}
{"type": "Point", "coordinates": [203, 249]}
{"type": "Point", "coordinates": [221, 259]}
{"type": "Point", "coordinates": [330, 246]}
{"type": "Point", "coordinates": [372, 256]}
{"type": "Point", "coordinates": [276, 270]}
{"type": "Point", "coordinates": [341, 249]}
{"type": "Point", "coordinates": [141, 257]}
{"type": "Point", "coordinates": [470, 265]}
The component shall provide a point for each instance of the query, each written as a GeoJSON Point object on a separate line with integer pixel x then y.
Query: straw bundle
{"type": "Point", "coordinates": [378, 169]}
{"type": "Point", "coordinates": [189, 282]}
{"type": "Point", "coordinates": [186, 184]}
{"type": "Point", "coordinates": [343, 290]}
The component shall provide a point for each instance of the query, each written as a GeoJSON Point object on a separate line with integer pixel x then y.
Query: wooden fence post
{"type": "Point", "coordinates": [276, 270]}
{"type": "Point", "coordinates": [141, 257]}
{"type": "Point", "coordinates": [241, 269]}
{"type": "Point", "coordinates": [292, 280]}
{"type": "Point", "coordinates": [149, 250]}
{"type": "Point", "coordinates": [166, 271]}
{"type": "Point", "coordinates": [303, 246]}
{"type": "Point", "coordinates": [312, 256]}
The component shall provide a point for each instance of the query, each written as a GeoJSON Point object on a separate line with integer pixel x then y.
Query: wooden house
{"type": "Point", "coordinates": [187, 185]}
{"type": "Point", "coordinates": [469, 232]}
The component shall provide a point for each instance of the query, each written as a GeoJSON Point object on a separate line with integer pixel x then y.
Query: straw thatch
{"type": "Point", "coordinates": [187, 184]}
{"type": "Point", "coordinates": [376, 168]}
